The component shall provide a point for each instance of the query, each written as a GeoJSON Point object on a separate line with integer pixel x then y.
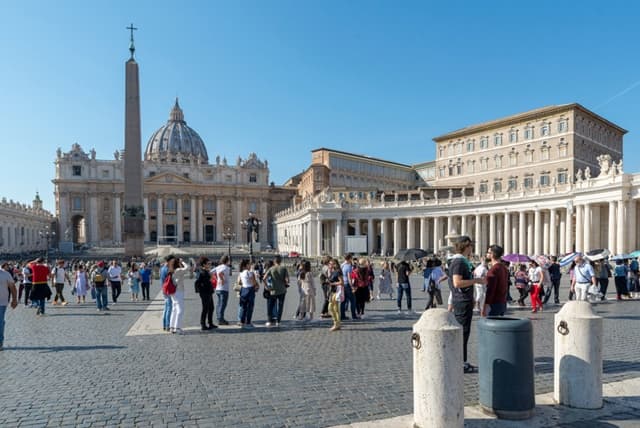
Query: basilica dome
{"type": "Point", "coordinates": [175, 142]}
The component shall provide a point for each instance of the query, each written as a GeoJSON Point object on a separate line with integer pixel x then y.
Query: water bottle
{"type": "Point", "coordinates": [269, 282]}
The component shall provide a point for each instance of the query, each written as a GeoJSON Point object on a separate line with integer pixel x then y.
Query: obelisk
{"type": "Point", "coordinates": [133, 209]}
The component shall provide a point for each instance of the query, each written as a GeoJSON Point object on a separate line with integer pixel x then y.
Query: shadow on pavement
{"type": "Point", "coordinates": [46, 349]}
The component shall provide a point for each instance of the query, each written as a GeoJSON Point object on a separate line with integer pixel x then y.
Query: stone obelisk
{"type": "Point", "coordinates": [133, 212]}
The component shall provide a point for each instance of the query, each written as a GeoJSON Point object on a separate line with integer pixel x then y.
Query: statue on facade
{"type": "Point", "coordinates": [579, 175]}
{"type": "Point", "coordinates": [620, 171]}
{"type": "Point", "coordinates": [605, 164]}
{"type": "Point", "coordinates": [450, 193]}
{"type": "Point", "coordinates": [59, 152]}
{"type": "Point", "coordinates": [67, 234]}
{"type": "Point", "coordinates": [218, 160]}
{"type": "Point", "coordinates": [435, 195]}
{"type": "Point", "coordinates": [239, 161]}
{"type": "Point", "coordinates": [224, 161]}
{"type": "Point", "coordinates": [116, 155]}
{"type": "Point", "coordinates": [587, 173]}
{"type": "Point", "coordinates": [93, 154]}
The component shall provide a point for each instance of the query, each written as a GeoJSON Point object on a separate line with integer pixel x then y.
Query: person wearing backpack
{"type": "Point", "coordinates": [177, 269]}
{"type": "Point", "coordinates": [360, 278]}
{"type": "Point", "coordinates": [99, 281]}
{"type": "Point", "coordinates": [279, 277]}
{"type": "Point", "coordinates": [204, 288]}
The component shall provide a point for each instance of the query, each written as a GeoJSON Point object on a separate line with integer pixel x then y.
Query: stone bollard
{"type": "Point", "coordinates": [577, 374]}
{"type": "Point", "coordinates": [438, 387]}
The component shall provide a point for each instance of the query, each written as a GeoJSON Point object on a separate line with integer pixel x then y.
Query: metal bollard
{"type": "Point", "coordinates": [577, 374]}
{"type": "Point", "coordinates": [438, 387]}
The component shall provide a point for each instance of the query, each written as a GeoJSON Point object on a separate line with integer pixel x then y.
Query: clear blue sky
{"type": "Point", "coordinates": [281, 78]}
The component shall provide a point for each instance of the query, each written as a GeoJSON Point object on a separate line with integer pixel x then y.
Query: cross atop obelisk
{"type": "Point", "coordinates": [132, 47]}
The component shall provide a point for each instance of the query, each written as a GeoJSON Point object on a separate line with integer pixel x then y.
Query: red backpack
{"type": "Point", "coordinates": [168, 286]}
{"type": "Point", "coordinates": [214, 280]}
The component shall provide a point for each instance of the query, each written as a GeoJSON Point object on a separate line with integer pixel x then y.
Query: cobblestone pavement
{"type": "Point", "coordinates": [77, 367]}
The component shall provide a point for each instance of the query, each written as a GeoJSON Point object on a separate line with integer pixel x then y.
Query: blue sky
{"type": "Point", "coordinates": [281, 78]}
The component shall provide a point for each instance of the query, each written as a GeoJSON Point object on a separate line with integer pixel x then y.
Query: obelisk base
{"type": "Point", "coordinates": [133, 236]}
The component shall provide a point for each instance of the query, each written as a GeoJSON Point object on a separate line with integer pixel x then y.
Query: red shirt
{"type": "Point", "coordinates": [40, 273]}
{"type": "Point", "coordinates": [497, 284]}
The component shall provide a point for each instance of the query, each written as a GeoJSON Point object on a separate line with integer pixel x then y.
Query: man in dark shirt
{"type": "Point", "coordinates": [554, 273]}
{"type": "Point", "coordinates": [461, 283]}
{"type": "Point", "coordinates": [404, 270]}
{"type": "Point", "coordinates": [497, 283]}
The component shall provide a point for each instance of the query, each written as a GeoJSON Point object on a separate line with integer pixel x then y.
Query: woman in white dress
{"type": "Point", "coordinates": [308, 303]}
{"type": "Point", "coordinates": [81, 284]}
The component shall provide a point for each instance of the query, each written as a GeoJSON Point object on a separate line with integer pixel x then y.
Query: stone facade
{"type": "Point", "coordinates": [23, 228]}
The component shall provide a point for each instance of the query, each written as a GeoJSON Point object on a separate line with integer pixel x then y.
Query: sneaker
{"type": "Point", "coordinates": [468, 368]}
{"type": "Point", "coordinates": [277, 324]}
{"type": "Point", "coordinates": [204, 328]}
{"type": "Point", "coordinates": [399, 312]}
{"type": "Point", "coordinates": [106, 308]}
{"type": "Point", "coordinates": [223, 322]}
{"type": "Point", "coordinates": [410, 312]}
{"type": "Point", "coordinates": [334, 328]}
{"type": "Point", "coordinates": [267, 324]}
{"type": "Point", "coordinates": [212, 326]}
{"type": "Point", "coordinates": [66, 303]}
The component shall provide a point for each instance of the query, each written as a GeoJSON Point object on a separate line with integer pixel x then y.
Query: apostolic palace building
{"type": "Point", "coordinates": [547, 181]}
{"type": "Point", "coordinates": [187, 198]}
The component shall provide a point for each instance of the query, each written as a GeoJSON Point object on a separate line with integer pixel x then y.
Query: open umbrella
{"type": "Point", "coordinates": [634, 254]}
{"type": "Point", "coordinates": [567, 259]}
{"type": "Point", "coordinates": [620, 257]}
{"type": "Point", "coordinates": [541, 260]}
{"type": "Point", "coordinates": [516, 258]}
{"type": "Point", "coordinates": [411, 254]}
{"type": "Point", "coordinates": [599, 254]}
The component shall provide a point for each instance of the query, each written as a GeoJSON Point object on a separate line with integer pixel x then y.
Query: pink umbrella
{"type": "Point", "coordinates": [516, 258]}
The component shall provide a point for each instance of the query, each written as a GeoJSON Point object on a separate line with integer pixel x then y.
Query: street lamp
{"type": "Point", "coordinates": [229, 235]}
{"type": "Point", "coordinates": [252, 225]}
{"type": "Point", "coordinates": [48, 235]}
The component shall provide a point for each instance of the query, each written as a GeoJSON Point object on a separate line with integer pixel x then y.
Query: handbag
{"type": "Point", "coordinates": [238, 285]}
{"type": "Point", "coordinates": [266, 293]}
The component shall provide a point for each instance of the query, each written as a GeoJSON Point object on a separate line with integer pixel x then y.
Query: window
{"type": "Point", "coordinates": [544, 151]}
{"type": "Point", "coordinates": [170, 205]}
{"type": "Point", "coordinates": [76, 203]}
{"type": "Point", "coordinates": [253, 178]}
{"type": "Point", "coordinates": [544, 179]}
{"type": "Point", "coordinates": [470, 145]}
{"type": "Point", "coordinates": [105, 173]}
{"type": "Point", "coordinates": [497, 185]}
{"type": "Point", "coordinates": [450, 149]}
{"type": "Point", "coordinates": [450, 170]}
{"type": "Point", "coordinates": [1, 237]}
{"type": "Point", "coordinates": [483, 187]}
{"type": "Point", "coordinates": [441, 151]}
{"type": "Point", "coordinates": [498, 161]}
{"type": "Point", "coordinates": [228, 178]}
{"type": "Point", "coordinates": [152, 173]}
{"type": "Point", "coordinates": [459, 168]}
{"type": "Point", "coordinates": [484, 164]}
{"type": "Point", "coordinates": [562, 148]}
{"type": "Point", "coordinates": [513, 136]}
{"type": "Point", "coordinates": [484, 142]}
{"type": "Point", "coordinates": [471, 166]}
{"type": "Point", "coordinates": [497, 140]}
{"type": "Point", "coordinates": [209, 205]}
{"type": "Point", "coordinates": [544, 130]}
{"type": "Point", "coordinates": [186, 205]}
{"type": "Point", "coordinates": [153, 205]}
{"type": "Point", "coordinates": [441, 171]}
{"type": "Point", "coordinates": [459, 147]}
{"type": "Point", "coordinates": [528, 182]}
{"type": "Point", "coordinates": [563, 177]}
{"type": "Point", "coordinates": [512, 183]}
{"type": "Point", "coordinates": [513, 158]}
{"type": "Point", "coordinates": [185, 175]}
{"type": "Point", "coordinates": [76, 170]}
{"type": "Point", "coordinates": [528, 156]}
{"type": "Point", "coordinates": [563, 125]}
{"type": "Point", "coordinates": [528, 133]}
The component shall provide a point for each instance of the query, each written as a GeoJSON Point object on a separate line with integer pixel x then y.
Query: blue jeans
{"type": "Point", "coordinates": [497, 309]}
{"type": "Point", "coordinates": [404, 288]}
{"type": "Point", "coordinates": [245, 307]}
{"type": "Point", "coordinates": [3, 309]}
{"type": "Point", "coordinates": [349, 299]}
{"type": "Point", "coordinates": [102, 297]}
{"type": "Point", "coordinates": [223, 298]}
{"type": "Point", "coordinates": [166, 314]}
{"type": "Point", "coordinates": [39, 304]}
{"type": "Point", "coordinates": [275, 306]}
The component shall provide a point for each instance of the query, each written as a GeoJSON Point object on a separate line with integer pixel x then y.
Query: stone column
{"type": "Point", "coordinates": [93, 219]}
{"type": "Point", "coordinates": [159, 214]}
{"type": "Point", "coordinates": [492, 230]}
{"type": "Point", "coordinates": [569, 230]}
{"type": "Point", "coordinates": [145, 225]}
{"type": "Point", "coordinates": [562, 232]}
{"type": "Point", "coordinates": [179, 218]}
{"type": "Point", "coordinates": [371, 236]}
{"type": "Point", "coordinates": [595, 241]}
{"type": "Point", "coordinates": [631, 220]}
{"type": "Point", "coordinates": [357, 227]}
{"type": "Point", "coordinates": [621, 229]}
{"type": "Point", "coordinates": [522, 220]}
{"type": "Point", "coordinates": [384, 236]}
{"type": "Point", "coordinates": [579, 228]}
{"type": "Point", "coordinates": [450, 225]}
{"type": "Point", "coordinates": [507, 233]}
{"type": "Point", "coordinates": [436, 234]}
{"type": "Point", "coordinates": [463, 225]}
{"type": "Point", "coordinates": [553, 246]}
{"type": "Point", "coordinates": [612, 226]}
{"type": "Point", "coordinates": [530, 235]}
{"type": "Point", "coordinates": [117, 218]}
{"type": "Point", "coordinates": [220, 221]}
{"type": "Point", "coordinates": [411, 233]}
{"type": "Point", "coordinates": [339, 238]}
{"type": "Point", "coordinates": [319, 236]}
{"type": "Point", "coordinates": [201, 221]}
{"type": "Point", "coordinates": [537, 246]}
{"type": "Point", "coordinates": [478, 230]}
{"type": "Point", "coordinates": [586, 218]}
{"type": "Point", "coordinates": [546, 220]}
{"type": "Point", "coordinates": [240, 216]}
{"type": "Point", "coordinates": [396, 235]}
{"type": "Point", "coordinates": [424, 233]}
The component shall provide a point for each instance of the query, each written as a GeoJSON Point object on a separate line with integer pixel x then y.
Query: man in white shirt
{"type": "Point", "coordinates": [59, 275]}
{"type": "Point", "coordinates": [115, 279]}
{"type": "Point", "coordinates": [7, 289]}
{"type": "Point", "coordinates": [481, 288]}
{"type": "Point", "coordinates": [583, 277]}
{"type": "Point", "coordinates": [223, 272]}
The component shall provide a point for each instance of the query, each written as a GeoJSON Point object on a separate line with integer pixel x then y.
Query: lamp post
{"type": "Point", "coordinates": [48, 235]}
{"type": "Point", "coordinates": [252, 225]}
{"type": "Point", "coordinates": [229, 235]}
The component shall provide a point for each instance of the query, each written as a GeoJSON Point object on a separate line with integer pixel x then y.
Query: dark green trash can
{"type": "Point", "coordinates": [506, 367]}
